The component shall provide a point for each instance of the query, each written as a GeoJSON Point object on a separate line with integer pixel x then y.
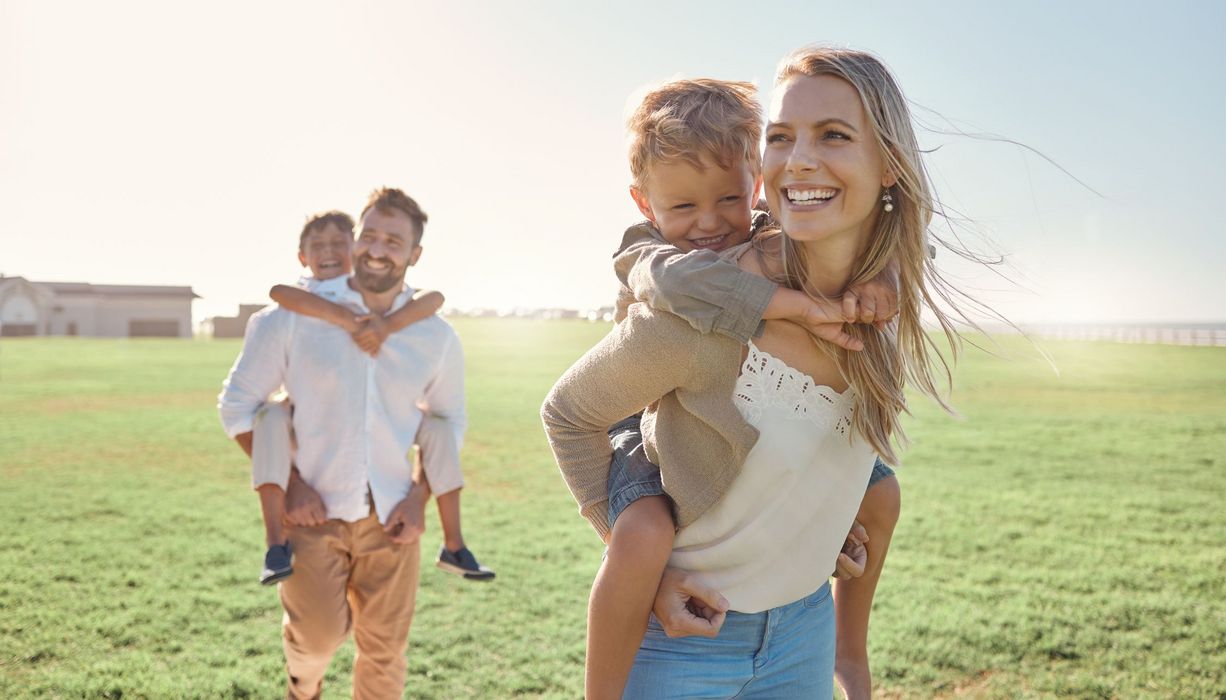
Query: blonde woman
{"type": "Point", "coordinates": [787, 425]}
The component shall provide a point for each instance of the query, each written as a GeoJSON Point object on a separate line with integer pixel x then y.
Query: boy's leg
{"type": "Point", "coordinates": [271, 459]}
{"type": "Point", "coordinates": [441, 464]}
{"type": "Point", "coordinates": [853, 598]}
{"type": "Point", "coordinates": [639, 546]}
{"type": "Point", "coordinates": [623, 592]}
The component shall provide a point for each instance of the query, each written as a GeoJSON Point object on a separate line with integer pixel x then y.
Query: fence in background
{"type": "Point", "coordinates": [1186, 334]}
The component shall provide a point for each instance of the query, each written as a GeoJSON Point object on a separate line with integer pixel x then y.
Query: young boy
{"type": "Point", "coordinates": [325, 246]}
{"type": "Point", "coordinates": [695, 163]}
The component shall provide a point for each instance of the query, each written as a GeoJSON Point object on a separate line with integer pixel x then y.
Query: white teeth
{"type": "Point", "coordinates": [821, 195]}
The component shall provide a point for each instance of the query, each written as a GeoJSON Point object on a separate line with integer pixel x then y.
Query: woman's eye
{"type": "Point", "coordinates": [732, 198]}
{"type": "Point", "coordinates": [836, 135]}
{"type": "Point", "coordinates": [774, 138]}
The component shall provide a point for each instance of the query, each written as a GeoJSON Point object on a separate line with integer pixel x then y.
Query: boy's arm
{"type": "Point", "coordinates": [300, 301]}
{"type": "Point", "coordinates": [710, 293]}
{"type": "Point", "coordinates": [373, 330]}
{"type": "Point", "coordinates": [639, 361]}
{"type": "Point", "coordinates": [715, 295]}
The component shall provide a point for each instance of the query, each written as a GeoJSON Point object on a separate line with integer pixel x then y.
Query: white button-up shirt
{"type": "Point", "coordinates": [355, 416]}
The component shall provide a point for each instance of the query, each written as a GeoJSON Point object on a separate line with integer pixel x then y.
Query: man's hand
{"type": "Point", "coordinates": [686, 607]}
{"type": "Point", "coordinates": [371, 333]}
{"type": "Point", "coordinates": [407, 520]}
{"type": "Point", "coordinates": [854, 556]}
{"type": "Point", "coordinates": [303, 506]}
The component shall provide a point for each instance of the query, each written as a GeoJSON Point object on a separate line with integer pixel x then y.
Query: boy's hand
{"type": "Point", "coordinates": [686, 607]}
{"type": "Point", "coordinates": [407, 521]}
{"type": "Point", "coordinates": [874, 301]}
{"type": "Point", "coordinates": [854, 556]}
{"type": "Point", "coordinates": [303, 506]}
{"type": "Point", "coordinates": [371, 333]}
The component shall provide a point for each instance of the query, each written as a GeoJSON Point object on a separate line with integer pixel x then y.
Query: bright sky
{"type": "Point", "coordinates": [184, 143]}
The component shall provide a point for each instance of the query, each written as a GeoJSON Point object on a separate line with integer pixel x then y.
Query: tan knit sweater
{"type": "Point", "coordinates": [691, 428]}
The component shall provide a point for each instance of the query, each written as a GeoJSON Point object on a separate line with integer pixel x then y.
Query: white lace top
{"type": "Point", "coordinates": [775, 535]}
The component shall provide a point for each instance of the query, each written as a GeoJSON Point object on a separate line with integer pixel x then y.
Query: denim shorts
{"type": "Point", "coordinates": [631, 475]}
{"type": "Point", "coordinates": [881, 470]}
{"type": "Point", "coordinates": [784, 652]}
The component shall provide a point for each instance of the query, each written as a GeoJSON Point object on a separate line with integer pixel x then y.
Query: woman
{"type": "Point", "coordinates": [843, 177]}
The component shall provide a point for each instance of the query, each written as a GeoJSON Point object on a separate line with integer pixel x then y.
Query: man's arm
{"type": "Point", "coordinates": [257, 373]}
{"type": "Point", "coordinates": [444, 394]}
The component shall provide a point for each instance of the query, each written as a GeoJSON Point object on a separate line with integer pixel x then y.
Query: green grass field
{"type": "Point", "coordinates": [1067, 537]}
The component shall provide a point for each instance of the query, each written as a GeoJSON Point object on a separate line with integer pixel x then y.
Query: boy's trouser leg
{"type": "Point", "coordinates": [382, 592]}
{"type": "Point", "coordinates": [440, 457]}
{"type": "Point", "coordinates": [317, 616]}
{"type": "Point", "coordinates": [271, 445]}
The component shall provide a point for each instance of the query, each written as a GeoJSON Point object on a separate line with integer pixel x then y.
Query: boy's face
{"type": "Point", "coordinates": [709, 209]}
{"type": "Point", "coordinates": [328, 251]}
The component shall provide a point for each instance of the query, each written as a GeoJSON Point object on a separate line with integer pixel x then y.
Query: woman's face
{"type": "Point", "coordinates": [822, 170]}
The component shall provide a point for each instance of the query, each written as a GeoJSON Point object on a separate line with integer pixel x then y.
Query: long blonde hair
{"type": "Point", "coordinates": [904, 354]}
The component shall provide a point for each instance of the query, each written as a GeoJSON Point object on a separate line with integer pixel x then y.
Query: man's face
{"type": "Point", "coordinates": [327, 251]}
{"type": "Point", "coordinates": [709, 208]}
{"type": "Point", "coordinates": [385, 248]}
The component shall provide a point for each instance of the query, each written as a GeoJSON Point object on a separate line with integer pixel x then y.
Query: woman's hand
{"type": "Point", "coordinates": [854, 556]}
{"type": "Point", "coordinates": [686, 607]}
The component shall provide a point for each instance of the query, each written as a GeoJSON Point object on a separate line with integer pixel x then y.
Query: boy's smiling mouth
{"type": "Point", "coordinates": [710, 242]}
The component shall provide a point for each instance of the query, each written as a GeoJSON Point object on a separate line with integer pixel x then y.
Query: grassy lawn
{"type": "Point", "coordinates": [1066, 537]}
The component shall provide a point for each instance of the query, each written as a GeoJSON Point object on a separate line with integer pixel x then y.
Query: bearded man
{"type": "Point", "coordinates": [354, 503]}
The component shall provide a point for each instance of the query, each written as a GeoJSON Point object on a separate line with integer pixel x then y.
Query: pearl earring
{"type": "Point", "coordinates": [889, 201]}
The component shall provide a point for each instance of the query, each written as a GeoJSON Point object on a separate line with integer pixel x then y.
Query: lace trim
{"type": "Point", "coordinates": [768, 381]}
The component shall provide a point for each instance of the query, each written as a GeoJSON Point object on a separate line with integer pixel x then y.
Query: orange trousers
{"type": "Point", "coordinates": [348, 576]}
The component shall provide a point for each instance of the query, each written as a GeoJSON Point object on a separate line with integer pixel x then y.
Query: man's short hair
{"type": "Point", "coordinates": [389, 199]}
{"type": "Point", "coordinates": [318, 222]}
{"type": "Point", "coordinates": [684, 120]}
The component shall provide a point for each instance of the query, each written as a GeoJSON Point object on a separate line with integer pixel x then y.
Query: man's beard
{"type": "Point", "coordinates": [378, 282]}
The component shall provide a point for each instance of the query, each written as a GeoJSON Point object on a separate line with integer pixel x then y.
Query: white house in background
{"type": "Point", "coordinates": [101, 310]}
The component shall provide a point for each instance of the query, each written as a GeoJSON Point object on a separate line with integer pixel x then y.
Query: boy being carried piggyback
{"type": "Point", "coordinates": [325, 247]}
{"type": "Point", "coordinates": [695, 161]}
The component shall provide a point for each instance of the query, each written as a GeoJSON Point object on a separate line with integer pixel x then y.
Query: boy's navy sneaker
{"type": "Point", "coordinates": [463, 563]}
{"type": "Point", "coordinates": [277, 564]}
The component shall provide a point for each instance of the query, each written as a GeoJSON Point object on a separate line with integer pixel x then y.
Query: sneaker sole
{"type": "Point", "coordinates": [276, 578]}
{"type": "Point", "coordinates": [470, 575]}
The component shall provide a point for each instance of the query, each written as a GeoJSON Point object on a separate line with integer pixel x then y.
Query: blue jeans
{"type": "Point", "coordinates": [784, 652]}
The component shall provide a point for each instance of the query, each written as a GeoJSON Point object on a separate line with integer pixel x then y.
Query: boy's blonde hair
{"type": "Point", "coordinates": [684, 120]}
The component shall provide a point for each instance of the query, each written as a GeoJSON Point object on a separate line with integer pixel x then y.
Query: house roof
{"type": "Point", "coordinates": [85, 289]}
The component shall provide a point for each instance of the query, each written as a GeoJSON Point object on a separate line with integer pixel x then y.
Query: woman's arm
{"type": "Point", "coordinates": [300, 301]}
{"type": "Point", "coordinates": [641, 359]}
